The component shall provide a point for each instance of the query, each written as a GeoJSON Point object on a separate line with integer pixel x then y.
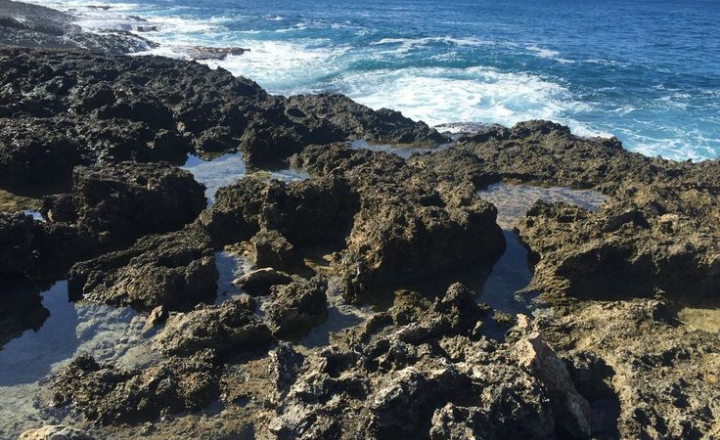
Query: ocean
{"type": "Point", "coordinates": [646, 71]}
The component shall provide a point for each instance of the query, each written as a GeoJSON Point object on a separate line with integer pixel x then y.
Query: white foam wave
{"type": "Point", "coordinates": [551, 54]}
{"type": "Point", "coordinates": [283, 67]}
{"type": "Point", "coordinates": [437, 96]}
{"type": "Point", "coordinates": [404, 45]}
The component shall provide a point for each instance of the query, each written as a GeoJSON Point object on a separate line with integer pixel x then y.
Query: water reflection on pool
{"type": "Point", "coordinates": [506, 287]}
{"type": "Point", "coordinates": [110, 334]}
{"type": "Point", "coordinates": [228, 169]}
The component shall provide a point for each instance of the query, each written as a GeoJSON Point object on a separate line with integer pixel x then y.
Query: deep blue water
{"type": "Point", "coordinates": [647, 71]}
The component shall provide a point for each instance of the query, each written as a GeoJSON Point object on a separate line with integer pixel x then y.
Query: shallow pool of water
{"type": "Point", "coordinates": [228, 169]}
{"type": "Point", "coordinates": [403, 151]}
{"type": "Point", "coordinates": [110, 334]}
{"type": "Point", "coordinates": [506, 288]}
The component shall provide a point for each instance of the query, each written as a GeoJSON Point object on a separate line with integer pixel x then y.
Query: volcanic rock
{"type": "Point", "coordinates": [176, 270]}
{"type": "Point", "coordinates": [112, 396]}
{"type": "Point", "coordinates": [229, 329]}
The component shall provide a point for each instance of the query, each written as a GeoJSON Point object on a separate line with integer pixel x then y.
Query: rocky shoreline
{"type": "Point", "coordinates": [94, 141]}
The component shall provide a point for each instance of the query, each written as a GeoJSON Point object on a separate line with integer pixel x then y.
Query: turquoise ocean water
{"type": "Point", "coordinates": [646, 71]}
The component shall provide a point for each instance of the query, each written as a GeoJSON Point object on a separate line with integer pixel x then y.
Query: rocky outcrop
{"type": "Point", "coordinates": [128, 200]}
{"type": "Point", "coordinates": [359, 122]}
{"type": "Point", "coordinates": [27, 25]}
{"type": "Point", "coordinates": [645, 373]}
{"type": "Point", "coordinates": [108, 208]}
{"type": "Point", "coordinates": [622, 253]}
{"type": "Point", "coordinates": [78, 108]}
{"type": "Point", "coordinates": [394, 223]}
{"type": "Point", "coordinates": [451, 382]}
{"type": "Point", "coordinates": [108, 395]}
{"type": "Point", "coordinates": [315, 211]}
{"type": "Point", "coordinates": [229, 329]}
{"type": "Point", "coordinates": [176, 270]}
{"type": "Point", "coordinates": [297, 307]}
{"type": "Point", "coordinates": [660, 223]}
{"type": "Point", "coordinates": [39, 250]}
{"type": "Point", "coordinates": [410, 223]}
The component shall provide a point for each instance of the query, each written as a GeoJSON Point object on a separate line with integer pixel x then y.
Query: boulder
{"type": "Point", "coordinates": [272, 250]}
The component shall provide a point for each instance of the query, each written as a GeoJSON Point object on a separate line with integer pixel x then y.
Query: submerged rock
{"type": "Point", "coordinates": [176, 270]}
{"type": "Point", "coordinates": [212, 53]}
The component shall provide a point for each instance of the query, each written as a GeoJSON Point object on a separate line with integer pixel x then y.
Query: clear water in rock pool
{"type": "Point", "coordinates": [228, 169]}
{"type": "Point", "coordinates": [341, 316]}
{"type": "Point", "coordinates": [404, 152]}
{"type": "Point", "coordinates": [505, 287]}
{"type": "Point", "coordinates": [230, 267]}
{"type": "Point", "coordinates": [110, 334]}
{"type": "Point", "coordinates": [35, 215]}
